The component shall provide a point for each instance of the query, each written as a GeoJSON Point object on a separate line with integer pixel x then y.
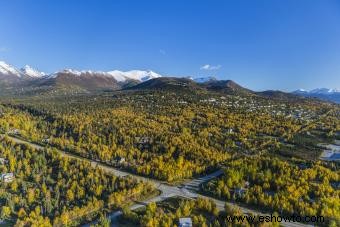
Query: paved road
{"type": "Point", "coordinates": [187, 190]}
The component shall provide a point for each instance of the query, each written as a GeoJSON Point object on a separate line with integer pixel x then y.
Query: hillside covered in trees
{"type": "Point", "coordinates": [203, 212]}
{"type": "Point", "coordinates": [153, 131]}
{"type": "Point", "coordinates": [51, 190]}
{"type": "Point", "coordinates": [305, 189]}
{"type": "Point", "coordinates": [269, 146]}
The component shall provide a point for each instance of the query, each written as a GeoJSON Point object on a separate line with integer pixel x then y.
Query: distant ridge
{"type": "Point", "coordinates": [327, 94]}
{"type": "Point", "coordinates": [226, 86]}
{"type": "Point", "coordinates": [29, 81]}
{"type": "Point", "coordinates": [174, 83]}
{"type": "Point", "coordinates": [167, 83]}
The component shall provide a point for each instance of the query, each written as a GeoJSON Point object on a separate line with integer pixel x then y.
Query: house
{"type": "Point", "coordinates": [185, 222]}
{"type": "Point", "coordinates": [143, 140]}
{"type": "Point", "coordinates": [3, 161]}
{"type": "Point", "coordinates": [239, 192]}
{"type": "Point", "coordinates": [45, 140]}
{"type": "Point", "coordinates": [7, 177]}
{"type": "Point", "coordinates": [246, 184]}
{"type": "Point", "coordinates": [14, 131]}
{"type": "Point", "coordinates": [120, 160]}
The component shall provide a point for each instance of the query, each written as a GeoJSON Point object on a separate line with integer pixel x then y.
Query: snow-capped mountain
{"type": "Point", "coordinates": [317, 91]}
{"type": "Point", "coordinates": [300, 91]}
{"type": "Point", "coordinates": [134, 75]}
{"type": "Point", "coordinates": [30, 78]}
{"type": "Point", "coordinates": [119, 76]}
{"type": "Point", "coordinates": [321, 93]}
{"type": "Point", "coordinates": [31, 72]}
{"type": "Point", "coordinates": [88, 80]}
{"type": "Point", "coordinates": [8, 70]}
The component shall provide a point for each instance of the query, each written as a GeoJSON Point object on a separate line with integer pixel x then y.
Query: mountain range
{"type": "Point", "coordinates": [327, 94]}
{"type": "Point", "coordinates": [28, 80]}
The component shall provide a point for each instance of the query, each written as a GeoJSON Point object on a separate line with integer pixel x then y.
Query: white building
{"type": "Point", "coordinates": [7, 177]}
{"type": "Point", "coordinates": [3, 161]}
{"type": "Point", "coordinates": [14, 131]}
{"type": "Point", "coordinates": [240, 192]}
{"type": "Point", "coordinates": [120, 160]}
{"type": "Point", "coordinates": [185, 222]}
{"type": "Point", "coordinates": [45, 140]}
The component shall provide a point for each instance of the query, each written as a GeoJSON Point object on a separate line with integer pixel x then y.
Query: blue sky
{"type": "Point", "coordinates": [261, 44]}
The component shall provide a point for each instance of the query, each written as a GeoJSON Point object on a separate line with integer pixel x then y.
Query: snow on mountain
{"type": "Point", "coordinates": [29, 71]}
{"type": "Point", "coordinates": [119, 76]}
{"type": "Point", "coordinates": [321, 91]}
{"type": "Point", "coordinates": [135, 75]}
{"type": "Point", "coordinates": [72, 71]}
{"type": "Point", "coordinates": [7, 69]}
{"type": "Point", "coordinates": [300, 91]}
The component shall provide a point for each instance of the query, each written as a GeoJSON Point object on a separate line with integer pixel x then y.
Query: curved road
{"type": "Point", "coordinates": [187, 190]}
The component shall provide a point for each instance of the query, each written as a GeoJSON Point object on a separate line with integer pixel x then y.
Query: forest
{"type": "Point", "coordinates": [154, 131]}
{"type": "Point", "coordinates": [268, 149]}
{"type": "Point", "coordinates": [52, 190]}
{"type": "Point", "coordinates": [203, 212]}
{"type": "Point", "coordinates": [305, 189]}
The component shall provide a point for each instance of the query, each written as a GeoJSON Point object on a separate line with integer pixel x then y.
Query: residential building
{"type": "Point", "coordinates": [185, 222]}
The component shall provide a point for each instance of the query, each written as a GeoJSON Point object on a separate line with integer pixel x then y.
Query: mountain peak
{"type": "Point", "coordinates": [324, 91]}
{"type": "Point", "coordinates": [226, 86]}
{"type": "Point", "coordinates": [120, 76]}
{"type": "Point", "coordinates": [31, 72]}
{"type": "Point", "coordinates": [321, 93]}
{"type": "Point", "coordinates": [167, 83]}
{"type": "Point", "coordinates": [139, 75]}
{"type": "Point", "coordinates": [300, 91]}
{"type": "Point", "coordinates": [7, 69]}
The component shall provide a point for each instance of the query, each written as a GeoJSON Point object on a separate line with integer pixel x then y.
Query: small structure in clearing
{"type": "Point", "coordinates": [185, 222]}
